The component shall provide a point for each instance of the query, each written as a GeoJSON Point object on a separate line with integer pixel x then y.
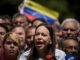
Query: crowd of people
{"type": "Point", "coordinates": [22, 39]}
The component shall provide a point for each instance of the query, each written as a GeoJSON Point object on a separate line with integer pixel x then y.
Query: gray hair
{"type": "Point", "coordinates": [70, 20]}
{"type": "Point", "coordinates": [19, 15]}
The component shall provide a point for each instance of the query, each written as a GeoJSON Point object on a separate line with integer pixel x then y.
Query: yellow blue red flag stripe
{"type": "Point", "coordinates": [33, 10]}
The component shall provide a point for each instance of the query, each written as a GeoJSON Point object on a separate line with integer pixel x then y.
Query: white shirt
{"type": "Point", "coordinates": [24, 55]}
{"type": "Point", "coordinates": [60, 55]}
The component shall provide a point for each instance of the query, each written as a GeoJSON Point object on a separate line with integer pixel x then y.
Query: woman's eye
{"type": "Point", "coordinates": [44, 34]}
{"type": "Point", "coordinates": [8, 43]}
{"type": "Point", "coordinates": [15, 43]}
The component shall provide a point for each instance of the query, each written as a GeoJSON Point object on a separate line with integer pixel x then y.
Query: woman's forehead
{"type": "Point", "coordinates": [42, 28]}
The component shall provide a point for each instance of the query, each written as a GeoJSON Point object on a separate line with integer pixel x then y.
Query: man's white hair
{"type": "Point", "coordinates": [70, 20]}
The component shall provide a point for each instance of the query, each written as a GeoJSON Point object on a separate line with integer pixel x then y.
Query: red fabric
{"type": "Point", "coordinates": [49, 57]}
{"type": "Point", "coordinates": [31, 18]}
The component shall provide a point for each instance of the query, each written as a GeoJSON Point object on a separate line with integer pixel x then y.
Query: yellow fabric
{"type": "Point", "coordinates": [41, 9]}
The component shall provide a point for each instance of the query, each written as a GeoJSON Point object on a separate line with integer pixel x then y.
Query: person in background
{"type": "Point", "coordinates": [18, 29]}
{"type": "Point", "coordinates": [29, 40]}
{"type": "Point", "coordinates": [70, 46]}
{"type": "Point", "coordinates": [3, 31]}
{"type": "Point", "coordinates": [8, 21]}
{"type": "Point", "coordinates": [58, 34]}
{"type": "Point", "coordinates": [59, 53]}
{"type": "Point", "coordinates": [70, 27]}
{"type": "Point", "coordinates": [1, 20]}
{"type": "Point", "coordinates": [78, 38]}
{"type": "Point", "coordinates": [19, 19]}
{"type": "Point", "coordinates": [29, 36]}
{"type": "Point", "coordinates": [11, 45]}
{"type": "Point", "coordinates": [38, 21]}
{"type": "Point", "coordinates": [21, 6]}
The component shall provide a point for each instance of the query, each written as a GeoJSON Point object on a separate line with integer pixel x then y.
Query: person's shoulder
{"type": "Point", "coordinates": [60, 55]}
{"type": "Point", "coordinates": [59, 52]}
{"type": "Point", "coordinates": [24, 55]}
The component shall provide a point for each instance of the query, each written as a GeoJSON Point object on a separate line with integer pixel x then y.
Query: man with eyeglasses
{"type": "Point", "coordinates": [70, 27]}
{"type": "Point", "coordinates": [70, 46]}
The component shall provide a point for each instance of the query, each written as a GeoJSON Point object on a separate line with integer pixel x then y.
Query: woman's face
{"type": "Point", "coordinates": [11, 48]}
{"type": "Point", "coordinates": [42, 38]}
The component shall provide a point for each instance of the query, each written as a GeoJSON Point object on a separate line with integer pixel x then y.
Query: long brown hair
{"type": "Point", "coordinates": [34, 54]}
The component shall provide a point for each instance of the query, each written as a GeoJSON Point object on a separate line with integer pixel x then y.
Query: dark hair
{"type": "Point", "coordinates": [1, 17]}
{"type": "Point", "coordinates": [78, 32]}
{"type": "Point", "coordinates": [5, 27]}
{"type": "Point", "coordinates": [7, 17]}
{"type": "Point", "coordinates": [20, 15]}
{"type": "Point", "coordinates": [39, 19]}
{"type": "Point", "coordinates": [74, 39]}
{"type": "Point", "coordinates": [57, 26]}
{"type": "Point", "coordinates": [30, 27]}
{"type": "Point", "coordinates": [51, 49]}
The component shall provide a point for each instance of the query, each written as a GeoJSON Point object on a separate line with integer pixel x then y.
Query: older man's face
{"type": "Point", "coordinates": [69, 29]}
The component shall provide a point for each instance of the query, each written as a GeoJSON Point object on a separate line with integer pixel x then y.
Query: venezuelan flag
{"type": "Point", "coordinates": [34, 10]}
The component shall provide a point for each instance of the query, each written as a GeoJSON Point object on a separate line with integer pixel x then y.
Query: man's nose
{"type": "Point", "coordinates": [18, 23]}
{"type": "Point", "coordinates": [73, 50]}
{"type": "Point", "coordinates": [69, 31]}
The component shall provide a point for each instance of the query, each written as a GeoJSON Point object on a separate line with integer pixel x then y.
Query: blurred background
{"type": "Point", "coordinates": [66, 8]}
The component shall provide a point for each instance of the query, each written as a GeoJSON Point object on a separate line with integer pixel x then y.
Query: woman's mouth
{"type": "Point", "coordinates": [39, 44]}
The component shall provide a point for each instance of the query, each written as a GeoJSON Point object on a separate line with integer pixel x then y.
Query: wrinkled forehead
{"type": "Point", "coordinates": [20, 18]}
{"type": "Point", "coordinates": [70, 23]}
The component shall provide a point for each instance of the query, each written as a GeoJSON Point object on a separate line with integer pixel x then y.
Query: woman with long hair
{"type": "Point", "coordinates": [44, 44]}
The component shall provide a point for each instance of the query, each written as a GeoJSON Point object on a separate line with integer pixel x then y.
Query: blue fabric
{"type": "Point", "coordinates": [39, 15]}
{"type": "Point", "coordinates": [70, 57]}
